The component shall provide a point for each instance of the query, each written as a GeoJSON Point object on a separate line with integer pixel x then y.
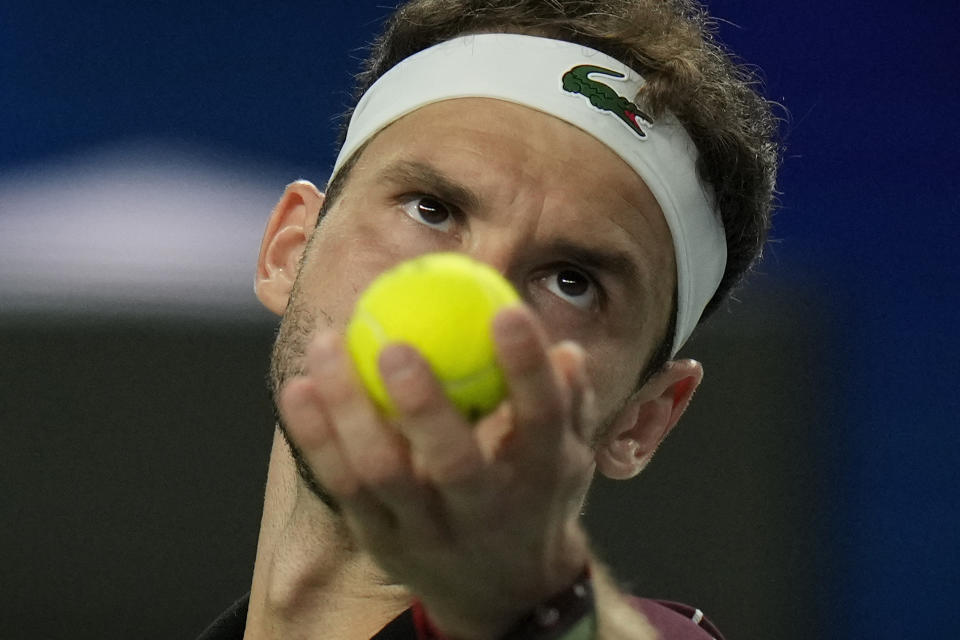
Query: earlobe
{"type": "Point", "coordinates": [291, 224]}
{"type": "Point", "coordinates": [646, 419]}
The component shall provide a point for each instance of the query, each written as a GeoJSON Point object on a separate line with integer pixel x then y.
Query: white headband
{"type": "Point", "coordinates": [591, 91]}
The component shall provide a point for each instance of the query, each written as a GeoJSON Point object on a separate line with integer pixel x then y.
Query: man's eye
{"type": "Point", "coordinates": [573, 286]}
{"type": "Point", "coordinates": [428, 211]}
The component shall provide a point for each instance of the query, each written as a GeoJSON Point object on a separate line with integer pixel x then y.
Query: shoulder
{"type": "Point", "coordinates": [676, 621]}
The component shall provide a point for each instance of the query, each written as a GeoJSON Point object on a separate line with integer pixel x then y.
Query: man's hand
{"type": "Point", "coordinates": [480, 521]}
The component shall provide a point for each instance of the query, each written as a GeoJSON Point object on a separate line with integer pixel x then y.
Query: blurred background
{"type": "Point", "coordinates": [811, 491]}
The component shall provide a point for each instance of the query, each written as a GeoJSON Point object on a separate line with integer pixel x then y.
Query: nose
{"type": "Point", "coordinates": [507, 240]}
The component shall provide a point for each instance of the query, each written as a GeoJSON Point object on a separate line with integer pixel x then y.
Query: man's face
{"type": "Point", "coordinates": [574, 229]}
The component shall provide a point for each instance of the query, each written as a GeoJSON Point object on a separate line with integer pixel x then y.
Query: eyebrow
{"type": "Point", "coordinates": [430, 179]}
{"type": "Point", "coordinates": [618, 263]}
{"type": "Point", "coordinates": [613, 261]}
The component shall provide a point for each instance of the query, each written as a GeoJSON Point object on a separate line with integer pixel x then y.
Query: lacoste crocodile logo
{"type": "Point", "coordinates": [578, 80]}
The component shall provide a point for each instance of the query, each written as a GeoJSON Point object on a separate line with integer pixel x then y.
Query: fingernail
{"type": "Point", "coordinates": [396, 360]}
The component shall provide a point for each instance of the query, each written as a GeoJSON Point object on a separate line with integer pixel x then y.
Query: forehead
{"type": "Point", "coordinates": [511, 155]}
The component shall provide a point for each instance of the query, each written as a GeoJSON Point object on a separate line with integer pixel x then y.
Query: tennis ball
{"type": "Point", "coordinates": [442, 304]}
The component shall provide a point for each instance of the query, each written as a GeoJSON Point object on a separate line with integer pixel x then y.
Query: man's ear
{"type": "Point", "coordinates": [646, 419]}
{"type": "Point", "coordinates": [290, 226]}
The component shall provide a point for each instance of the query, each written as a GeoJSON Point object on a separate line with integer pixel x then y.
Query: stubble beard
{"type": "Point", "coordinates": [287, 358]}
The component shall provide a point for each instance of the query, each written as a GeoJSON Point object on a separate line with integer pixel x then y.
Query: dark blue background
{"type": "Point", "coordinates": [869, 202]}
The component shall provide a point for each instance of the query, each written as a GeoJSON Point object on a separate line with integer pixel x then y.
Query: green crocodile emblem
{"type": "Point", "coordinates": [578, 80]}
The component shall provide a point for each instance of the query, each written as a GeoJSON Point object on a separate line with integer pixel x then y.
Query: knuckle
{"type": "Point", "coordinates": [338, 483]}
{"type": "Point", "coordinates": [453, 467]}
{"type": "Point", "coordinates": [337, 391]}
{"type": "Point", "coordinates": [380, 469]}
{"type": "Point", "coordinates": [420, 396]}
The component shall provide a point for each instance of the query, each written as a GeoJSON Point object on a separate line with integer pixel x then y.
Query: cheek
{"type": "Point", "coordinates": [613, 373]}
{"type": "Point", "coordinates": [619, 355]}
{"type": "Point", "coordinates": [349, 250]}
{"type": "Point", "coordinates": [616, 348]}
{"type": "Point", "coordinates": [333, 273]}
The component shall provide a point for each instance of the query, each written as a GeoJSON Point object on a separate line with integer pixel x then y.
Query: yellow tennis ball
{"type": "Point", "coordinates": [442, 304]}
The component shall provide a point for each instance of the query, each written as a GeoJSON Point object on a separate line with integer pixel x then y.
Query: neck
{"type": "Point", "coordinates": [309, 578]}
